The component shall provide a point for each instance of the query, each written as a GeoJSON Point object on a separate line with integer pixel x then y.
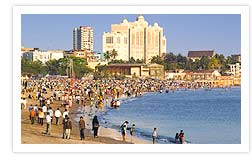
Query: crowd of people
{"type": "Point", "coordinates": [90, 95]}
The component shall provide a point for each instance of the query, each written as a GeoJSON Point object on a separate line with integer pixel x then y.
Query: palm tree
{"type": "Point", "coordinates": [107, 56]}
{"type": "Point", "coordinates": [114, 53]}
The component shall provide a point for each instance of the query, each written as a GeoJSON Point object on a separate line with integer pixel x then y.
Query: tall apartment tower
{"type": "Point", "coordinates": [135, 39]}
{"type": "Point", "coordinates": [83, 38]}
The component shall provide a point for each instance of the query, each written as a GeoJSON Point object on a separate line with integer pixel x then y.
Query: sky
{"type": "Point", "coordinates": [183, 32]}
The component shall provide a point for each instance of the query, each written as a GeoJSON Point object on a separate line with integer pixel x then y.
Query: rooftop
{"type": "Point", "coordinates": [200, 71]}
{"type": "Point", "coordinates": [201, 53]}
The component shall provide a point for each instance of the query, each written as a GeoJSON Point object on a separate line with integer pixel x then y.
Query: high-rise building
{"type": "Point", "coordinates": [83, 38]}
{"type": "Point", "coordinates": [135, 39]}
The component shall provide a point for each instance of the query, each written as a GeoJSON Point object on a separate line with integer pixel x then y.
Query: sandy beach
{"type": "Point", "coordinates": [34, 133]}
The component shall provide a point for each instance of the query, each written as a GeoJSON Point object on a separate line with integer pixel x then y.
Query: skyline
{"type": "Point", "coordinates": [218, 32]}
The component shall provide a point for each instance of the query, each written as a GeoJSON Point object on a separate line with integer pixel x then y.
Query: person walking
{"type": "Point", "coordinates": [57, 115]}
{"type": "Point", "coordinates": [95, 125]}
{"type": "Point", "coordinates": [44, 109]}
{"type": "Point", "coordinates": [32, 116]}
{"type": "Point", "coordinates": [68, 127]}
{"type": "Point", "coordinates": [181, 137]}
{"type": "Point", "coordinates": [64, 126]}
{"type": "Point", "coordinates": [65, 113]}
{"type": "Point", "coordinates": [50, 113]}
{"type": "Point", "coordinates": [30, 108]}
{"type": "Point", "coordinates": [82, 127]}
{"type": "Point", "coordinates": [40, 117]}
{"type": "Point", "coordinates": [48, 123]}
{"type": "Point", "coordinates": [36, 111]}
{"type": "Point", "coordinates": [154, 136]}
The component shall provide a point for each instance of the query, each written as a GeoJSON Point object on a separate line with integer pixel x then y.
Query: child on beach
{"type": "Point", "coordinates": [154, 136]}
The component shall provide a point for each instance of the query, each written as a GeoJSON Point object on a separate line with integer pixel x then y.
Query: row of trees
{"type": "Point", "coordinates": [55, 67]}
{"type": "Point", "coordinates": [173, 62]}
{"type": "Point", "coordinates": [111, 55]}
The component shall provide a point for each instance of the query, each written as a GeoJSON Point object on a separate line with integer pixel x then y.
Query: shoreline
{"type": "Point", "coordinates": [34, 134]}
{"type": "Point", "coordinates": [106, 131]}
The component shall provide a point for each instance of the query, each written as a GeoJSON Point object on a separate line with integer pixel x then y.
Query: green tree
{"type": "Point", "coordinates": [138, 61]}
{"type": "Point", "coordinates": [189, 64]}
{"type": "Point", "coordinates": [101, 72]}
{"type": "Point", "coordinates": [114, 54]}
{"type": "Point", "coordinates": [63, 65]}
{"type": "Point", "coordinates": [25, 66]}
{"type": "Point", "coordinates": [204, 62]}
{"type": "Point", "coordinates": [170, 58]}
{"type": "Point", "coordinates": [34, 68]}
{"type": "Point", "coordinates": [214, 63]}
{"type": "Point", "coordinates": [80, 67]}
{"type": "Point", "coordinates": [132, 60]}
{"type": "Point", "coordinates": [157, 59]}
{"type": "Point", "coordinates": [117, 62]}
{"type": "Point", "coordinates": [107, 56]}
{"type": "Point", "coordinates": [196, 65]}
{"type": "Point", "coordinates": [181, 60]}
{"type": "Point", "coordinates": [52, 67]}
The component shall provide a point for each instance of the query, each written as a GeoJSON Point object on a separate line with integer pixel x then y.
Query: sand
{"type": "Point", "coordinates": [34, 133]}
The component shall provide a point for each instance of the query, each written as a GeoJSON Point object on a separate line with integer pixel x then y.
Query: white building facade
{"type": "Point", "coordinates": [135, 39]}
{"type": "Point", "coordinates": [235, 70]}
{"type": "Point", "coordinates": [43, 56]}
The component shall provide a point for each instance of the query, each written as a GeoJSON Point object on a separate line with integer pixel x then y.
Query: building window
{"type": "Point", "coordinates": [125, 40]}
{"type": "Point", "coordinates": [156, 40]}
{"type": "Point", "coordinates": [133, 39]}
{"type": "Point", "coordinates": [137, 38]}
{"type": "Point", "coordinates": [109, 39]}
{"type": "Point", "coordinates": [141, 38]}
{"type": "Point", "coordinates": [118, 39]}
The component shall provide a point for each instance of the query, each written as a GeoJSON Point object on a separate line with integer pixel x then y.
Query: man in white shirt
{"type": "Point", "coordinates": [57, 114]}
{"type": "Point", "coordinates": [44, 109]}
{"type": "Point", "coordinates": [48, 124]}
{"type": "Point", "coordinates": [65, 113]}
{"type": "Point", "coordinates": [50, 113]}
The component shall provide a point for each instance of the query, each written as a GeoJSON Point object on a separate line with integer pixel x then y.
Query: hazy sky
{"type": "Point", "coordinates": [184, 32]}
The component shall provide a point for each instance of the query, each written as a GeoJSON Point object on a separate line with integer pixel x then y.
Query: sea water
{"type": "Point", "coordinates": [207, 116]}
